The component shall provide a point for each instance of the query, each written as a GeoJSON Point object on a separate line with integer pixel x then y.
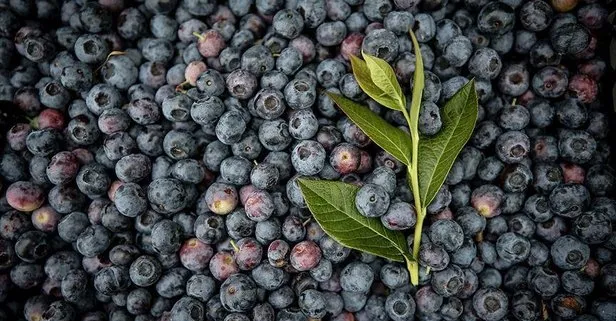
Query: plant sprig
{"type": "Point", "coordinates": [428, 159]}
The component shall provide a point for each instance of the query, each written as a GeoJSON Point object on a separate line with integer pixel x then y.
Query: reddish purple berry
{"type": "Point", "coordinates": [193, 71]}
{"type": "Point", "coordinates": [222, 265]}
{"type": "Point", "coordinates": [51, 118]}
{"type": "Point", "coordinates": [210, 43]}
{"type": "Point", "coordinates": [584, 88]}
{"type": "Point", "coordinates": [345, 158]}
{"type": "Point", "coordinates": [305, 255]}
{"type": "Point", "coordinates": [245, 191]}
{"type": "Point", "coordinates": [62, 168]}
{"type": "Point", "coordinates": [365, 162]}
{"type": "Point", "coordinates": [248, 253]}
{"type": "Point", "coordinates": [305, 46]}
{"type": "Point", "coordinates": [259, 205]}
{"type": "Point", "coordinates": [45, 219]}
{"type": "Point", "coordinates": [351, 45]}
{"type": "Point", "coordinates": [221, 198]}
{"type": "Point", "coordinates": [25, 196]}
{"type": "Point", "coordinates": [195, 255]}
{"type": "Point", "coordinates": [573, 173]}
{"type": "Point", "coordinates": [487, 199]}
{"type": "Point", "coordinates": [83, 155]}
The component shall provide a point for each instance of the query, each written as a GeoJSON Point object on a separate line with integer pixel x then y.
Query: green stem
{"type": "Point", "coordinates": [413, 179]}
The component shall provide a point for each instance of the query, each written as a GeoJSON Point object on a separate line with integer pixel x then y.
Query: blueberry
{"type": "Point", "coordinates": [569, 253]}
{"type": "Point", "coordinates": [313, 12]}
{"type": "Point", "coordinates": [427, 301]}
{"type": "Point", "coordinates": [569, 200]}
{"type": "Point", "coordinates": [485, 63]}
{"type": "Point", "coordinates": [331, 33]}
{"type": "Point", "coordinates": [398, 306]}
{"type": "Point", "coordinates": [235, 170]}
{"type": "Point", "coordinates": [356, 277]}
{"type": "Point", "coordinates": [288, 23]}
{"type": "Point", "coordinates": [372, 200]}
{"type": "Point", "coordinates": [166, 237]}
{"type": "Point", "coordinates": [91, 48]}
{"type": "Point", "coordinates": [592, 227]}
{"type": "Point", "coordinates": [536, 15]}
{"type": "Point", "coordinates": [188, 308]}
{"type": "Point", "coordinates": [237, 293]}
{"type": "Point", "coordinates": [399, 21]}
{"type": "Point", "coordinates": [430, 122]}
{"type": "Point", "coordinates": [166, 195]}
{"type": "Point", "coordinates": [569, 38]}
{"type": "Point", "coordinates": [490, 304]}
{"type": "Point", "coordinates": [512, 146]}
{"type": "Point", "coordinates": [130, 200]}
{"type": "Point", "coordinates": [399, 216]}
{"type": "Point", "coordinates": [111, 280]}
{"type": "Point", "coordinates": [354, 301]}
{"type": "Point", "coordinates": [381, 43]}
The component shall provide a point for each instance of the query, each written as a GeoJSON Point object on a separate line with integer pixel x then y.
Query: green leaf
{"type": "Point", "coordinates": [383, 76]}
{"type": "Point", "coordinates": [362, 75]}
{"type": "Point", "coordinates": [333, 206]}
{"type": "Point", "coordinates": [418, 86]}
{"type": "Point", "coordinates": [390, 138]}
{"type": "Point", "coordinates": [437, 153]}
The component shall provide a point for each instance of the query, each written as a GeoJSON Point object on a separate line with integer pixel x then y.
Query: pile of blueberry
{"type": "Point", "coordinates": [150, 169]}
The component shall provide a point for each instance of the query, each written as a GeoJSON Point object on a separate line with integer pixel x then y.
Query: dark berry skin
{"type": "Point", "coordinates": [13, 224]}
{"type": "Point", "coordinates": [145, 271]}
{"type": "Point", "coordinates": [166, 237]}
{"type": "Point", "coordinates": [278, 253]}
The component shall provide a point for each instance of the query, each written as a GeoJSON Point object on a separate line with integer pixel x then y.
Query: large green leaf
{"type": "Point", "coordinates": [362, 75]}
{"type": "Point", "coordinates": [418, 85]}
{"type": "Point", "coordinates": [332, 204]}
{"type": "Point", "coordinates": [390, 138]}
{"type": "Point", "coordinates": [383, 76]}
{"type": "Point", "coordinates": [437, 153]}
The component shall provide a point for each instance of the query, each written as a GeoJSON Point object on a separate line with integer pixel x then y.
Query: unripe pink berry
{"type": "Point", "coordinates": [351, 45]}
{"type": "Point", "coordinates": [211, 43]}
{"type": "Point", "coordinates": [193, 71]}
{"type": "Point", "coordinates": [584, 88]}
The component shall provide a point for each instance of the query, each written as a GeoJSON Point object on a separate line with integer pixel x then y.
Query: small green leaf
{"type": "Point", "coordinates": [418, 85]}
{"type": "Point", "coordinates": [437, 153]}
{"type": "Point", "coordinates": [362, 75]}
{"type": "Point", "coordinates": [390, 138]}
{"type": "Point", "coordinates": [333, 206]}
{"type": "Point", "coordinates": [383, 76]}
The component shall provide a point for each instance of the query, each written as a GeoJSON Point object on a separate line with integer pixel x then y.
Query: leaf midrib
{"type": "Point", "coordinates": [397, 93]}
{"type": "Point", "coordinates": [442, 150]}
{"type": "Point", "coordinates": [384, 135]}
{"type": "Point", "coordinates": [401, 251]}
{"type": "Point", "coordinates": [406, 159]}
